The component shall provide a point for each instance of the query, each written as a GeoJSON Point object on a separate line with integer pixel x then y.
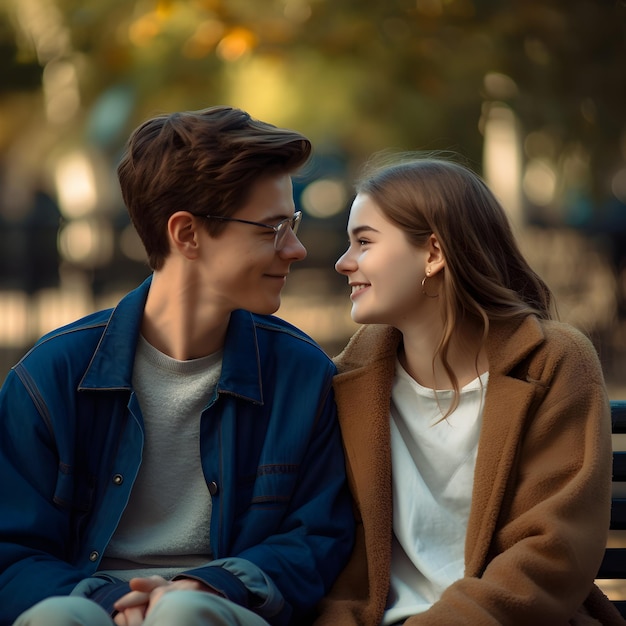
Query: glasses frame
{"type": "Point", "coordinates": [279, 229]}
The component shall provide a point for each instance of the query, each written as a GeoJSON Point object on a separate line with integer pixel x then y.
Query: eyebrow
{"type": "Point", "coordinates": [361, 229]}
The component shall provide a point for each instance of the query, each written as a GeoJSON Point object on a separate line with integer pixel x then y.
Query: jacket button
{"type": "Point", "coordinates": [213, 488]}
{"type": "Point", "coordinates": [118, 479]}
{"type": "Point", "coordinates": [93, 556]}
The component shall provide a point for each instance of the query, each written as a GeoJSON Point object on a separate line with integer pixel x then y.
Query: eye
{"type": "Point", "coordinates": [362, 242]}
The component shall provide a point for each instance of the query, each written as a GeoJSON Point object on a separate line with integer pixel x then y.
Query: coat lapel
{"type": "Point", "coordinates": [507, 405]}
{"type": "Point", "coordinates": [362, 395]}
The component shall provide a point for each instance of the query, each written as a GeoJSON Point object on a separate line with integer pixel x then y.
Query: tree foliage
{"type": "Point", "coordinates": [355, 75]}
{"type": "Point", "coordinates": [360, 74]}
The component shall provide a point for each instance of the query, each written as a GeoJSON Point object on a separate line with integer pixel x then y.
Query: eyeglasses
{"type": "Point", "coordinates": [280, 230]}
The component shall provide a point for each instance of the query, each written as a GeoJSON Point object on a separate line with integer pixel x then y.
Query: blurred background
{"type": "Point", "coordinates": [530, 93]}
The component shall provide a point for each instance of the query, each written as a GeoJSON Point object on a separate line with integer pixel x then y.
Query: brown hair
{"type": "Point", "coordinates": [200, 161]}
{"type": "Point", "coordinates": [486, 276]}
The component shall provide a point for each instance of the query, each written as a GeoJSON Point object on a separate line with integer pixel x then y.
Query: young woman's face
{"type": "Point", "coordinates": [384, 270]}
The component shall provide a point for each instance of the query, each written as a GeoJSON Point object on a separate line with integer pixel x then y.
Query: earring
{"type": "Point", "coordinates": [428, 295]}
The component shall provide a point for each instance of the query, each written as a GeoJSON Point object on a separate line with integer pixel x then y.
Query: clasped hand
{"type": "Point", "coordinates": [145, 593]}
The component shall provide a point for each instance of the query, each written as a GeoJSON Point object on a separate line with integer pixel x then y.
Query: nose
{"type": "Point", "coordinates": [292, 248]}
{"type": "Point", "coordinates": [345, 265]}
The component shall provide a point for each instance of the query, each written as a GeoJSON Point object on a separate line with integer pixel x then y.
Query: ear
{"type": "Point", "coordinates": [435, 261]}
{"type": "Point", "coordinates": [183, 233]}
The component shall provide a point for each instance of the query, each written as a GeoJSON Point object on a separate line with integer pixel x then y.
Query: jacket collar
{"type": "Point", "coordinates": [111, 366]}
{"type": "Point", "coordinates": [369, 345]}
{"type": "Point", "coordinates": [241, 363]}
{"type": "Point", "coordinates": [508, 343]}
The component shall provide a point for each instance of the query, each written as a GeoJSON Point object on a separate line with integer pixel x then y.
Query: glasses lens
{"type": "Point", "coordinates": [282, 228]}
{"type": "Point", "coordinates": [281, 234]}
{"type": "Point", "coordinates": [295, 222]}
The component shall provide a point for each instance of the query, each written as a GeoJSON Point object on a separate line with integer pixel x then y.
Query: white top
{"type": "Point", "coordinates": [433, 465]}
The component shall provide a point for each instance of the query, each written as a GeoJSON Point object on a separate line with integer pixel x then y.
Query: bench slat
{"type": "Point", "coordinates": [618, 517]}
{"type": "Point", "coordinates": [618, 416]}
{"type": "Point", "coordinates": [619, 466]}
{"type": "Point", "coordinates": [613, 563]}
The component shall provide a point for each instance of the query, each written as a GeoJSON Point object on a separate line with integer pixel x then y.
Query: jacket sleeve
{"type": "Point", "coordinates": [552, 523]}
{"type": "Point", "coordinates": [35, 535]}
{"type": "Point", "coordinates": [242, 582]}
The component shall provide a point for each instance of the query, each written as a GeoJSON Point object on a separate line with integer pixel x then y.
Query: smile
{"type": "Point", "coordinates": [356, 288]}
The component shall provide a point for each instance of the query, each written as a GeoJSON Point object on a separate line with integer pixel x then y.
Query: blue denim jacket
{"type": "Point", "coordinates": [71, 438]}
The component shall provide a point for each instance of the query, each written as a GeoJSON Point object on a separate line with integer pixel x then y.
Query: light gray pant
{"type": "Point", "coordinates": [182, 608]}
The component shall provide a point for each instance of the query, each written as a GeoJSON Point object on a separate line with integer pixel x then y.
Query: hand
{"type": "Point", "coordinates": [132, 616]}
{"type": "Point", "coordinates": [133, 607]}
{"type": "Point", "coordinates": [145, 593]}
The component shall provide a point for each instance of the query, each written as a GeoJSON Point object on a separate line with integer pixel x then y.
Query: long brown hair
{"type": "Point", "coordinates": [486, 277]}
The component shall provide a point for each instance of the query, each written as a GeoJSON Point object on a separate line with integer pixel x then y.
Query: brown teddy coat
{"type": "Point", "coordinates": [541, 497]}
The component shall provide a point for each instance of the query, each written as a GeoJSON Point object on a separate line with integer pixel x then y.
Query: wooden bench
{"type": "Point", "coordinates": [614, 563]}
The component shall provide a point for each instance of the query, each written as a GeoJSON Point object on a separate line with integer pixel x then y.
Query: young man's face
{"type": "Point", "coordinates": [242, 268]}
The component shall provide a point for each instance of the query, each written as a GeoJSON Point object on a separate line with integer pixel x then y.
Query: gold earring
{"type": "Point", "coordinates": [428, 295]}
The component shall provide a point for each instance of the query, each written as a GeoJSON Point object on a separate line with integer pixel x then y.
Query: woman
{"type": "Point", "coordinates": [477, 428]}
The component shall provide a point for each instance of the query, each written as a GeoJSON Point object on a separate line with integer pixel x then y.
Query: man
{"type": "Point", "coordinates": [177, 460]}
